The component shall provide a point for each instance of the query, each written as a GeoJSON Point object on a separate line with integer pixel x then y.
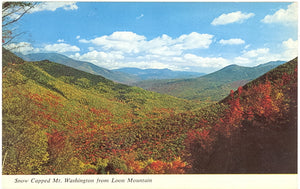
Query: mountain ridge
{"type": "Point", "coordinates": [81, 65]}
{"type": "Point", "coordinates": [123, 75]}
{"type": "Point", "coordinates": [60, 120]}
{"type": "Point", "coordinates": [211, 87]}
{"type": "Point", "coordinates": [149, 74]}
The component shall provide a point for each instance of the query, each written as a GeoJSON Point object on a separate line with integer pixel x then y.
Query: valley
{"type": "Point", "coordinates": [61, 120]}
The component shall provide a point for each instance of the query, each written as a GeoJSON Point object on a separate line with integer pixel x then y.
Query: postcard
{"type": "Point", "coordinates": [149, 94]}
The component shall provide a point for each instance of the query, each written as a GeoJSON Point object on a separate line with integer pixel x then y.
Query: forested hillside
{"type": "Point", "coordinates": [81, 65]}
{"type": "Point", "coordinates": [58, 120]}
{"type": "Point", "coordinates": [127, 76]}
{"type": "Point", "coordinates": [211, 87]}
{"type": "Point", "coordinates": [45, 102]}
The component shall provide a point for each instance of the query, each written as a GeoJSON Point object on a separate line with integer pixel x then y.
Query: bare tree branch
{"type": "Point", "coordinates": [16, 19]}
{"type": "Point", "coordinates": [11, 13]}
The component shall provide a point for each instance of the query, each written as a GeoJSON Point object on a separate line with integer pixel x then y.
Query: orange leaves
{"type": "Point", "coordinates": [265, 101]}
{"type": "Point", "coordinates": [156, 167]}
{"type": "Point", "coordinates": [161, 167]}
{"type": "Point", "coordinates": [177, 167]}
{"type": "Point", "coordinates": [199, 140]}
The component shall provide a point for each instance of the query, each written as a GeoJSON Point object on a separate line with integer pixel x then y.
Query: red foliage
{"type": "Point", "coordinates": [160, 167]}
{"type": "Point", "coordinates": [56, 142]}
{"type": "Point", "coordinates": [90, 171]}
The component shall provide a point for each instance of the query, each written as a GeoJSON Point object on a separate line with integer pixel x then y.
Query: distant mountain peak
{"type": "Point", "coordinates": [156, 74]}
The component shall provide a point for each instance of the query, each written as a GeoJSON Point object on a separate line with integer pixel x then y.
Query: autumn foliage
{"type": "Point", "coordinates": [54, 125]}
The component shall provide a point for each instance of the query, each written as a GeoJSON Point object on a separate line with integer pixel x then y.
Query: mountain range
{"type": "Point", "coordinates": [116, 76]}
{"type": "Point", "coordinates": [157, 74]}
{"type": "Point", "coordinates": [60, 120]}
{"type": "Point", "coordinates": [122, 75]}
{"type": "Point", "coordinates": [206, 88]}
{"type": "Point", "coordinates": [211, 87]}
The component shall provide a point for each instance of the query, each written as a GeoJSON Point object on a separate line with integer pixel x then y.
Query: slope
{"type": "Point", "coordinates": [72, 122]}
{"type": "Point", "coordinates": [211, 87]}
{"type": "Point", "coordinates": [80, 65]}
{"type": "Point", "coordinates": [59, 120]}
{"type": "Point", "coordinates": [252, 131]}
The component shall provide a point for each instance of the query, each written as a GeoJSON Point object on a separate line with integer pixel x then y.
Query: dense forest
{"type": "Point", "coordinates": [59, 120]}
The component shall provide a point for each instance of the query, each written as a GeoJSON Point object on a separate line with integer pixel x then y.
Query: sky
{"type": "Point", "coordinates": [194, 36]}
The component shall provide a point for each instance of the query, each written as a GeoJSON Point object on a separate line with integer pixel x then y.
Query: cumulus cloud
{"type": "Point", "coordinates": [194, 41]}
{"type": "Point", "coordinates": [100, 58]}
{"type": "Point", "coordinates": [255, 57]}
{"type": "Point", "coordinates": [283, 16]}
{"type": "Point", "coordinates": [256, 52]}
{"type": "Point", "coordinates": [128, 49]}
{"type": "Point", "coordinates": [212, 62]}
{"type": "Point", "coordinates": [61, 48]}
{"type": "Point", "coordinates": [290, 49]}
{"type": "Point", "coordinates": [60, 40]}
{"type": "Point", "coordinates": [52, 6]}
{"type": "Point", "coordinates": [129, 42]}
{"type": "Point", "coordinates": [232, 17]}
{"type": "Point", "coordinates": [234, 41]}
{"type": "Point", "coordinates": [26, 48]}
{"type": "Point", "coordinates": [22, 47]}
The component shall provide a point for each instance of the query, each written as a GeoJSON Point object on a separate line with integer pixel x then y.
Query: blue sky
{"type": "Point", "coordinates": [193, 36]}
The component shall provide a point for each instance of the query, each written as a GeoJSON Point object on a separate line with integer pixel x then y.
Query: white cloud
{"type": "Point", "coordinates": [194, 41]}
{"type": "Point", "coordinates": [26, 48]}
{"type": "Point", "coordinates": [104, 59]}
{"type": "Point", "coordinates": [52, 6]}
{"type": "Point", "coordinates": [256, 52]}
{"type": "Point", "coordinates": [78, 37]}
{"type": "Point", "coordinates": [139, 17]}
{"type": "Point", "coordinates": [129, 42]}
{"type": "Point", "coordinates": [247, 46]}
{"type": "Point", "coordinates": [165, 51]}
{"type": "Point", "coordinates": [153, 64]}
{"type": "Point", "coordinates": [60, 40]}
{"type": "Point", "coordinates": [128, 49]}
{"type": "Point", "coordinates": [232, 17]}
{"type": "Point", "coordinates": [287, 50]}
{"type": "Point", "coordinates": [22, 47]}
{"type": "Point", "coordinates": [42, 6]}
{"type": "Point", "coordinates": [212, 62]}
{"type": "Point", "coordinates": [114, 59]}
{"type": "Point", "coordinates": [234, 41]}
{"type": "Point", "coordinates": [290, 49]}
{"type": "Point", "coordinates": [61, 48]}
{"type": "Point", "coordinates": [288, 16]}
{"type": "Point", "coordinates": [84, 41]}
{"type": "Point", "coordinates": [255, 57]}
